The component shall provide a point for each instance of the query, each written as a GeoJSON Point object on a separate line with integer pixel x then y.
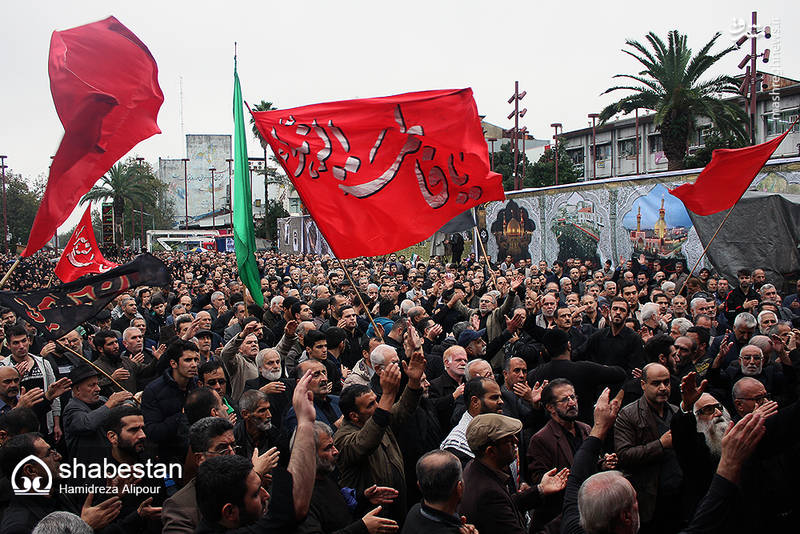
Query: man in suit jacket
{"type": "Point", "coordinates": [555, 444]}
{"type": "Point", "coordinates": [643, 442]}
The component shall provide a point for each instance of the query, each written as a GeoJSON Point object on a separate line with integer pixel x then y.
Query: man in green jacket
{"type": "Point", "coordinates": [368, 451]}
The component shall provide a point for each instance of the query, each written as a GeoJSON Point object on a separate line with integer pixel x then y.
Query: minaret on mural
{"type": "Point", "coordinates": [639, 220]}
{"type": "Point", "coordinates": [660, 228]}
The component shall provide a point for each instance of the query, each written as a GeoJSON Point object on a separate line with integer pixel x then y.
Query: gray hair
{"type": "Point", "coordinates": [62, 523]}
{"type": "Point", "coordinates": [250, 399]}
{"type": "Point", "coordinates": [378, 355]}
{"type": "Point", "coordinates": [320, 429]}
{"type": "Point", "coordinates": [130, 330]}
{"type": "Point", "coordinates": [609, 283]}
{"type": "Point", "coordinates": [766, 287]}
{"type": "Point", "coordinates": [762, 342]}
{"type": "Point", "coordinates": [649, 310]}
{"type": "Point", "coordinates": [277, 300]}
{"type": "Point", "coordinates": [262, 354]}
{"type": "Point", "coordinates": [683, 323]}
{"type": "Point", "coordinates": [697, 301]}
{"type": "Point", "coordinates": [470, 364]}
{"type": "Point", "coordinates": [746, 320]}
{"type": "Point", "coordinates": [406, 305]}
{"type": "Point", "coordinates": [601, 500]}
{"type": "Point", "coordinates": [372, 286]}
{"type": "Point", "coordinates": [751, 344]}
{"type": "Point", "coordinates": [201, 432]}
{"type": "Point", "coordinates": [565, 279]}
{"type": "Point", "coordinates": [666, 286]}
{"type": "Point", "coordinates": [216, 294]}
{"type": "Point", "coordinates": [438, 472]}
{"type": "Point", "coordinates": [182, 319]}
{"type": "Point", "coordinates": [764, 312]}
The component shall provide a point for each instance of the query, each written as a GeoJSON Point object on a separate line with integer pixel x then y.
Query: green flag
{"type": "Point", "coordinates": [243, 232]}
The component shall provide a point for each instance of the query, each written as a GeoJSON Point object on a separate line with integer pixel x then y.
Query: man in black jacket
{"type": "Point", "coordinates": [441, 482]}
{"type": "Point", "coordinates": [742, 298]}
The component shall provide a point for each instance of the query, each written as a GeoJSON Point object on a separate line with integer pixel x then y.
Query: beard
{"type": "Point", "coordinates": [751, 370]}
{"type": "Point", "coordinates": [713, 432]}
{"type": "Point", "coordinates": [324, 466]}
{"type": "Point", "coordinates": [265, 426]}
{"type": "Point", "coordinates": [272, 376]}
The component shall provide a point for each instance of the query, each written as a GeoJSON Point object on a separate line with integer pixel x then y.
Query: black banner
{"type": "Point", "coordinates": [57, 310]}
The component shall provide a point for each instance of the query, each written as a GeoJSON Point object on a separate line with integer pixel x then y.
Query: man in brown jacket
{"type": "Point", "coordinates": [368, 450]}
{"type": "Point", "coordinates": [643, 443]}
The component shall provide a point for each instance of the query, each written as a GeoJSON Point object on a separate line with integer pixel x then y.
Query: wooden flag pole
{"type": "Point", "coordinates": [8, 273]}
{"type": "Point", "coordinates": [705, 250]}
{"type": "Point", "coordinates": [363, 304]}
{"type": "Point", "coordinates": [82, 357]}
{"type": "Point", "coordinates": [485, 256]}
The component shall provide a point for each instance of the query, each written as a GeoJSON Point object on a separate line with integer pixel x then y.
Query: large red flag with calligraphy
{"type": "Point", "coordinates": [105, 88]}
{"type": "Point", "coordinates": [381, 174]}
{"type": "Point", "coordinates": [82, 256]}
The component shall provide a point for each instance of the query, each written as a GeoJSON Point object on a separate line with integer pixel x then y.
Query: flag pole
{"type": "Point", "coordinates": [485, 257]}
{"type": "Point", "coordinates": [361, 300]}
{"type": "Point", "coordinates": [8, 273]}
{"type": "Point", "coordinates": [705, 249]}
{"type": "Point", "coordinates": [82, 357]}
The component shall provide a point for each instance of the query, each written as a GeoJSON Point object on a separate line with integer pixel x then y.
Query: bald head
{"type": "Point", "coordinates": [607, 501]}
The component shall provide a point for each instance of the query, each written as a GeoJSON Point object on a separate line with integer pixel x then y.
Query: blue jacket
{"type": "Point", "coordinates": [291, 418]}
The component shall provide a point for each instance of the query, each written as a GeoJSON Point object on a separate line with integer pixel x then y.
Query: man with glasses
{"type": "Point", "coordinates": [779, 378]}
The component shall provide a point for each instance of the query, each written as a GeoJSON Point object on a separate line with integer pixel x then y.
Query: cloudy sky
{"type": "Point", "coordinates": [299, 52]}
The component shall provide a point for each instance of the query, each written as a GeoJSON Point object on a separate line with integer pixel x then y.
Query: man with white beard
{"type": "Point", "coordinates": [270, 380]}
{"type": "Point", "coordinates": [779, 378]}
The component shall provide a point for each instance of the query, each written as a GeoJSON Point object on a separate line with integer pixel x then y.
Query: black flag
{"type": "Point", "coordinates": [58, 310]}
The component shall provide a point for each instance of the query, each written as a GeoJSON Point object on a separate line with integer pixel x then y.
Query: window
{"type": "Point", "coordinates": [576, 155]}
{"type": "Point", "coordinates": [702, 134]}
{"type": "Point", "coordinates": [294, 205]}
{"type": "Point", "coordinates": [626, 148]}
{"type": "Point", "coordinates": [776, 126]}
{"type": "Point", "coordinates": [656, 144]}
{"type": "Point", "coordinates": [603, 151]}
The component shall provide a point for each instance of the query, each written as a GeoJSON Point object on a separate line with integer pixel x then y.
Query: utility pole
{"type": "Point", "coordinates": [5, 219]}
{"type": "Point", "coordinates": [185, 193]}
{"type": "Point", "coordinates": [230, 193]}
{"type": "Point", "coordinates": [749, 87]}
{"type": "Point", "coordinates": [516, 115]}
{"type": "Point", "coordinates": [213, 203]}
{"type": "Point", "coordinates": [556, 126]}
{"type": "Point", "coordinates": [637, 140]}
{"type": "Point", "coordinates": [594, 117]}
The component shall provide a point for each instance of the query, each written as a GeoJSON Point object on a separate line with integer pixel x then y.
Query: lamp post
{"type": "Point", "coordinates": [5, 221]}
{"type": "Point", "coordinates": [213, 202]}
{"type": "Point", "coordinates": [185, 193]}
{"type": "Point", "coordinates": [594, 117]}
{"type": "Point", "coordinates": [230, 193]}
{"type": "Point", "coordinates": [637, 140]}
{"type": "Point", "coordinates": [751, 79]}
{"type": "Point", "coordinates": [133, 217]}
{"type": "Point", "coordinates": [556, 126]}
{"type": "Point", "coordinates": [516, 115]}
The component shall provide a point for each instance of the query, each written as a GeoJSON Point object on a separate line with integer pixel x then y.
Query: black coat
{"type": "Point", "coordinates": [162, 408]}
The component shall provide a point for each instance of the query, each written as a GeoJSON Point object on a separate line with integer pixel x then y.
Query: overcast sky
{"type": "Point", "coordinates": [300, 52]}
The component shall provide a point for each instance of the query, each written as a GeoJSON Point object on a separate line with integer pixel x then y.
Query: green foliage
{"type": "Point", "coordinates": [539, 174]}
{"type": "Point", "coordinates": [133, 185]}
{"type": "Point", "coordinates": [504, 165]}
{"type": "Point", "coordinates": [670, 85]}
{"type": "Point", "coordinates": [268, 228]}
{"type": "Point", "coordinates": [22, 202]}
{"type": "Point", "coordinates": [712, 141]}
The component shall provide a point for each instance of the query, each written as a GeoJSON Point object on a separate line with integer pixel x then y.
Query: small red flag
{"type": "Point", "coordinates": [381, 174]}
{"type": "Point", "coordinates": [82, 256]}
{"type": "Point", "coordinates": [105, 88]}
{"type": "Point", "coordinates": [726, 177]}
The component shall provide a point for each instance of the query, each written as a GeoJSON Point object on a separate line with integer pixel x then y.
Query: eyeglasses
{"type": "Point", "coordinates": [226, 449]}
{"type": "Point", "coordinates": [758, 399]}
{"type": "Point", "coordinates": [708, 409]}
{"type": "Point", "coordinates": [217, 382]}
{"type": "Point", "coordinates": [566, 399]}
{"type": "Point", "coordinates": [748, 357]}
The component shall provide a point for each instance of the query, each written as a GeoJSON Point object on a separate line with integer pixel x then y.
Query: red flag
{"type": "Point", "coordinates": [725, 179]}
{"type": "Point", "coordinates": [104, 83]}
{"type": "Point", "coordinates": [81, 255]}
{"type": "Point", "coordinates": [382, 174]}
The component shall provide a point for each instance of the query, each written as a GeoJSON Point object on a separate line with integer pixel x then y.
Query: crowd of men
{"type": "Point", "coordinates": [409, 397]}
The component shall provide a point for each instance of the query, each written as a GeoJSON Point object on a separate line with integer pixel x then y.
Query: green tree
{"type": "Point", "coordinates": [504, 165]}
{"type": "Point", "coordinates": [671, 86]}
{"type": "Point", "coordinates": [544, 171]}
{"type": "Point", "coordinates": [21, 205]}
{"type": "Point", "coordinates": [132, 185]}
{"type": "Point", "coordinates": [712, 140]}
{"type": "Point", "coordinates": [268, 229]}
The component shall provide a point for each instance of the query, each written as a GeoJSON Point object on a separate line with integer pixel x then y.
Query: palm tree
{"type": "Point", "coordinates": [262, 106]}
{"type": "Point", "coordinates": [125, 183]}
{"type": "Point", "coordinates": [672, 88]}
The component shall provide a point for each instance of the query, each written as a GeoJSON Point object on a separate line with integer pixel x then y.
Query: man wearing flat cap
{"type": "Point", "coordinates": [85, 414]}
{"type": "Point", "coordinates": [489, 501]}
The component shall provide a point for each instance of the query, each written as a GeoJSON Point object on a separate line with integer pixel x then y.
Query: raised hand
{"type": "Point", "coordinates": [390, 379]}
{"type": "Point", "coordinates": [265, 463]}
{"type": "Point", "coordinates": [58, 388]}
{"type": "Point", "coordinates": [605, 413]}
{"type": "Point", "coordinates": [28, 399]}
{"type": "Point", "coordinates": [100, 516]}
{"type": "Point", "coordinates": [380, 494]}
{"type": "Point", "coordinates": [553, 482]}
{"type": "Point", "coordinates": [290, 328]}
{"type": "Point", "coordinates": [379, 525]}
{"type": "Point", "coordinates": [120, 374]}
{"type": "Point", "coordinates": [767, 410]}
{"type": "Point", "coordinates": [690, 391]}
{"type": "Point", "coordinates": [146, 511]}
{"type": "Point", "coordinates": [415, 369]}
{"type": "Point", "coordinates": [738, 444]}
{"type": "Point", "coordinates": [118, 398]}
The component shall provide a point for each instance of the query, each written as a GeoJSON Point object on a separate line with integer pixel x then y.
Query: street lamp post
{"type": "Point", "coordinates": [133, 217]}
{"type": "Point", "coordinates": [213, 202]}
{"type": "Point", "coordinates": [751, 80]}
{"type": "Point", "coordinates": [230, 193]}
{"type": "Point", "coordinates": [594, 117]}
{"type": "Point", "coordinates": [556, 126]}
{"type": "Point", "coordinates": [516, 115]}
{"type": "Point", "coordinates": [637, 140]}
{"type": "Point", "coordinates": [5, 220]}
{"type": "Point", "coordinates": [185, 193]}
